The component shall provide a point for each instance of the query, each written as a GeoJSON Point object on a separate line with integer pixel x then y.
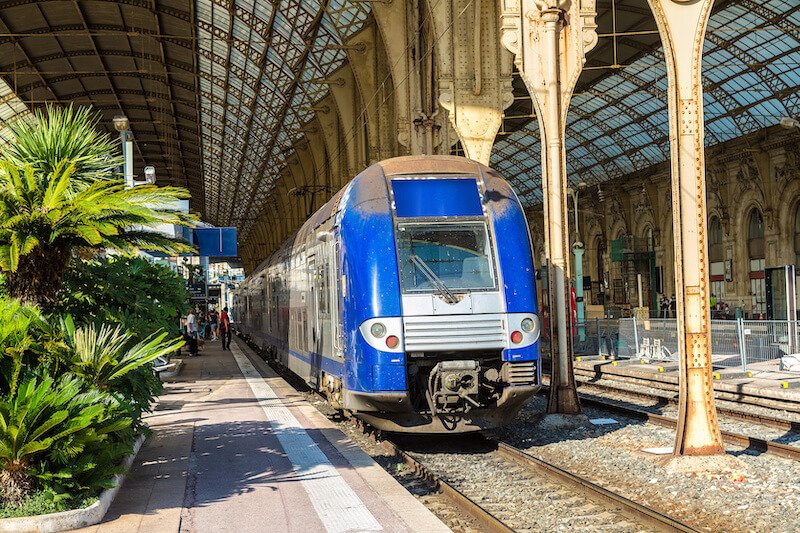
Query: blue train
{"type": "Point", "coordinates": [409, 298]}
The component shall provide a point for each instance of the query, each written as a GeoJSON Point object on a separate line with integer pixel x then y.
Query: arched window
{"type": "Point", "coordinates": [755, 235]}
{"type": "Point", "coordinates": [716, 260]}
{"type": "Point", "coordinates": [601, 272]}
{"type": "Point", "coordinates": [715, 241]}
{"type": "Point", "coordinates": [755, 252]}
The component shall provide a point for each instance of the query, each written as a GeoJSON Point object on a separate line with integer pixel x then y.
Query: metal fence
{"type": "Point", "coordinates": [750, 344]}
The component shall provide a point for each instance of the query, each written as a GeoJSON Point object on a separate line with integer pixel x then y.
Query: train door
{"type": "Point", "coordinates": [312, 326]}
{"type": "Point", "coordinates": [323, 334]}
{"type": "Point", "coordinates": [335, 291]}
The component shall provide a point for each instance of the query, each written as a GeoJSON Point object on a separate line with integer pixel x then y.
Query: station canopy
{"type": "Point", "coordinates": [218, 92]}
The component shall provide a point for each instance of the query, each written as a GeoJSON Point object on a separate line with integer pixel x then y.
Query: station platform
{"type": "Point", "coordinates": [235, 448]}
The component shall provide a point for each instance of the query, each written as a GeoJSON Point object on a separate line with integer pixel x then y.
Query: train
{"type": "Point", "coordinates": [408, 299]}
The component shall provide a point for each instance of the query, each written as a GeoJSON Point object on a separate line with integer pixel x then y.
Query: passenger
{"type": "Point", "coordinates": [213, 318]}
{"type": "Point", "coordinates": [191, 323]}
{"type": "Point", "coordinates": [225, 329]}
{"type": "Point", "coordinates": [191, 343]}
{"type": "Point", "coordinates": [202, 325]}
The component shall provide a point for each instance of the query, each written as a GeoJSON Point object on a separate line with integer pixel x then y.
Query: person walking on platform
{"type": "Point", "coordinates": [213, 321]}
{"type": "Point", "coordinates": [225, 329]}
{"type": "Point", "coordinates": [191, 323]}
{"type": "Point", "coordinates": [191, 344]}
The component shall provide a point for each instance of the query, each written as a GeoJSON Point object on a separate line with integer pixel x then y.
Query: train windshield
{"type": "Point", "coordinates": [445, 257]}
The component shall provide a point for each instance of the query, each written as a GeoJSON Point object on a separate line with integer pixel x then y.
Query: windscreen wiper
{"type": "Point", "coordinates": [423, 267]}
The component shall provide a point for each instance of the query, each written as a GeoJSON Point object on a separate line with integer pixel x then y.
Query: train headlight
{"type": "Point", "coordinates": [378, 330]}
{"type": "Point", "coordinates": [527, 325]}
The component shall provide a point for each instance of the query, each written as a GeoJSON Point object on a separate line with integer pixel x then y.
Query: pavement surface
{"type": "Point", "coordinates": [235, 448]}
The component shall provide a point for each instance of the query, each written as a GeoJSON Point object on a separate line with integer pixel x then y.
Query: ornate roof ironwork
{"type": "Point", "coordinates": [218, 91]}
{"type": "Point", "coordinates": [618, 121]}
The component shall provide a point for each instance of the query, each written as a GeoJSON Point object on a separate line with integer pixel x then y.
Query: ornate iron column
{"type": "Point", "coordinates": [682, 25]}
{"type": "Point", "coordinates": [549, 54]}
{"type": "Point", "coordinates": [474, 73]}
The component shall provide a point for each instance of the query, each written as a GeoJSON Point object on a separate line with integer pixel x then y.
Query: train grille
{"type": "Point", "coordinates": [454, 332]}
{"type": "Point", "coordinates": [522, 373]}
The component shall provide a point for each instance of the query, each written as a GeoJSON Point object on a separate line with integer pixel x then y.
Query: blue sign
{"type": "Point", "coordinates": [448, 197]}
{"type": "Point", "coordinates": [216, 242]}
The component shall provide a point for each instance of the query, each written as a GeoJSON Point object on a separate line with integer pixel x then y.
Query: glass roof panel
{"type": "Point", "coordinates": [620, 123]}
{"type": "Point", "coordinates": [260, 102]}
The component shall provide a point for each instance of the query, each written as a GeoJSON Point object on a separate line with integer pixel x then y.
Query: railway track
{"type": "Point", "coordinates": [770, 417]}
{"type": "Point", "coordinates": [507, 489]}
{"type": "Point", "coordinates": [517, 492]}
{"type": "Point", "coordinates": [771, 411]}
{"type": "Point", "coordinates": [746, 441]}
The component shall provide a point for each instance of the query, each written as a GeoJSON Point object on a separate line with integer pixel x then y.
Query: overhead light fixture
{"type": "Point", "coordinates": [150, 175]}
{"type": "Point", "coordinates": [121, 123]}
{"type": "Point", "coordinates": [789, 123]}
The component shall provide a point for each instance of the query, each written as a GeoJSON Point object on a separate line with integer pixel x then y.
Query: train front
{"type": "Point", "coordinates": [462, 341]}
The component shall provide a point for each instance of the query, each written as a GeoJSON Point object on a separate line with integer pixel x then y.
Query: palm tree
{"type": "Point", "coordinates": [59, 134]}
{"type": "Point", "coordinates": [50, 208]}
{"type": "Point", "coordinates": [44, 217]}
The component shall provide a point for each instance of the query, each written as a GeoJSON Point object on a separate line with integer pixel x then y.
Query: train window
{"type": "Point", "coordinates": [451, 256]}
{"type": "Point", "coordinates": [322, 297]}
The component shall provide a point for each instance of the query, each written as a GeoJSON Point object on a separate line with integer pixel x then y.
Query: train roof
{"type": "Point", "coordinates": [403, 165]}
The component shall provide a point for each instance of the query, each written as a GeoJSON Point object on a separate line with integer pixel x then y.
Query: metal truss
{"type": "Point", "coordinates": [747, 89]}
{"type": "Point", "coordinates": [218, 91]}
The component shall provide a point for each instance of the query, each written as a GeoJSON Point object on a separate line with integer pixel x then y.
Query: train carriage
{"type": "Point", "coordinates": [409, 299]}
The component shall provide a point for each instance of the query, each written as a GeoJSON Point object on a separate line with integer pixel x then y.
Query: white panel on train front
{"type": "Point", "coordinates": [476, 303]}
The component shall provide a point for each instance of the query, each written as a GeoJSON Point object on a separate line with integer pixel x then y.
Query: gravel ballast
{"type": "Point", "coordinates": [754, 492]}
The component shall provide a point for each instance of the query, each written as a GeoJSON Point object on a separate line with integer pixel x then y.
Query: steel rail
{"type": "Point", "coordinates": [595, 492]}
{"type": "Point", "coordinates": [762, 419]}
{"type": "Point", "coordinates": [486, 519]}
{"type": "Point", "coordinates": [753, 443]}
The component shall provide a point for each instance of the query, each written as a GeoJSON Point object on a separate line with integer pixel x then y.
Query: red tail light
{"type": "Point", "coordinates": [392, 342]}
{"type": "Point", "coordinates": [516, 337]}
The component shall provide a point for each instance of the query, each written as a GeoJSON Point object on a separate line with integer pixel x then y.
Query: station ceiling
{"type": "Point", "coordinates": [217, 91]}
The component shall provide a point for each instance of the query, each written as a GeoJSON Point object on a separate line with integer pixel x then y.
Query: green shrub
{"type": "Point", "coordinates": [56, 435]}
{"type": "Point", "coordinates": [104, 357]}
{"type": "Point", "coordinates": [130, 291]}
{"type": "Point", "coordinates": [43, 502]}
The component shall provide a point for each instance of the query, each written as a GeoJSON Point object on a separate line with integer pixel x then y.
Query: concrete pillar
{"type": "Point", "coordinates": [549, 54]}
{"type": "Point", "coordinates": [474, 73]}
{"type": "Point", "coordinates": [682, 25]}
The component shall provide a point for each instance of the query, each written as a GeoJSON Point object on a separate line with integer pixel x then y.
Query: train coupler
{"type": "Point", "coordinates": [453, 387]}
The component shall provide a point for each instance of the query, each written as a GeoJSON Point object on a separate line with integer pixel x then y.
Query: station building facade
{"type": "Point", "coordinates": [753, 191]}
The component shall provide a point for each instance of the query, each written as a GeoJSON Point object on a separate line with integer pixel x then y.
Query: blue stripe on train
{"type": "Point", "coordinates": [327, 364]}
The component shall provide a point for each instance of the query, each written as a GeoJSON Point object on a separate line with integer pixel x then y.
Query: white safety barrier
{"type": "Point", "coordinates": [747, 344]}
